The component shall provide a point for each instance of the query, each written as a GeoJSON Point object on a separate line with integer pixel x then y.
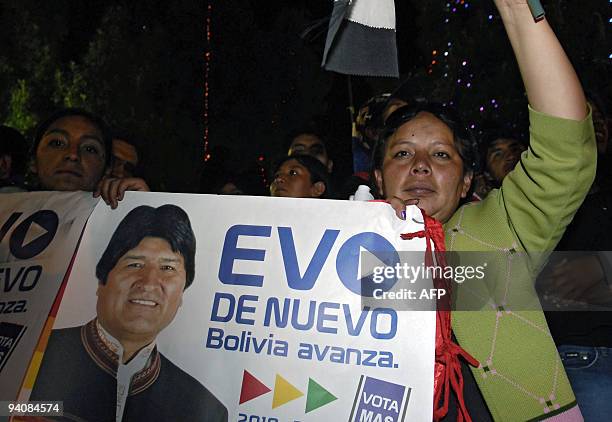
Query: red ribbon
{"type": "Point", "coordinates": [447, 369]}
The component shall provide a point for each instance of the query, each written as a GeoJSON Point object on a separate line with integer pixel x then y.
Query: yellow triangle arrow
{"type": "Point", "coordinates": [284, 392]}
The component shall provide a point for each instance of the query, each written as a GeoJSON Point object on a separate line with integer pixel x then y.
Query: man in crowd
{"type": "Point", "coordinates": [311, 143]}
{"type": "Point", "coordinates": [501, 157]}
{"type": "Point", "coordinates": [125, 158]}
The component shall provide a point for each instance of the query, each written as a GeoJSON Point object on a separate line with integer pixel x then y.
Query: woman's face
{"type": "Point", "coordinates": [292, 180]}
{"type": "Point", "coordinates": [422, 162]}
{"type": "Point", "coordinates": [71, 155]}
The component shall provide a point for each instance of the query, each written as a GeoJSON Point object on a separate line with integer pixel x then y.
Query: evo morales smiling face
{"type": "Point", "coordinates": [143, 291]}
{"type": "Point", "coordinates": [148, 262]}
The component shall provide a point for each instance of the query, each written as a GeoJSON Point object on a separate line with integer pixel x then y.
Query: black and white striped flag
{"type": "Point", "coordinates": [361, 38]}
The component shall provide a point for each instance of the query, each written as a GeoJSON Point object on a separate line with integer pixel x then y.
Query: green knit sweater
{"type": "Point", "coordinates": [521, 376]}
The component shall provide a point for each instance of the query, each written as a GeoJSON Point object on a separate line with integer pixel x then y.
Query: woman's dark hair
{"type": "Point", "coordinates": [66, 112]}
{"type": "Point", "coordinates": [466, 146]}
{"type": "Point", "coordinates": [318, 172]}
{"type": "Point", "coordinates": [167, 222]}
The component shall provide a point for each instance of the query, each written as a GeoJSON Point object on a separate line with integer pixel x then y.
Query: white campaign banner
{"type": "Point", "coordinates": [39, 232]}
{"type": "Point", "coordinates": [272, 324]}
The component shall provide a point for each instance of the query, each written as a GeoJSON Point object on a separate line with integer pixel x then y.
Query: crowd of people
{"type": "Point", "coordinates": [493, 194]}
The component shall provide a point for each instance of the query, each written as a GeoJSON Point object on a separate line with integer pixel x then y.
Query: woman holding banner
{"type": "Point", "coordinates": [72, 152]}
{"type": "Point", "coordinates": [423, 158]}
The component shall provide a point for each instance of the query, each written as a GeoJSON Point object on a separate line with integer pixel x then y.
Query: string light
{"type": "Point", "coordinates": [459, 69]}
{"type": "Point", "coordinates": [207, 59]}
{"type": "Point", "coordinates": [262, 171]}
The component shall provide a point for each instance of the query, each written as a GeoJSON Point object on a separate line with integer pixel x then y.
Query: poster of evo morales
{"type": "Point", "coordinates": [197, 307]}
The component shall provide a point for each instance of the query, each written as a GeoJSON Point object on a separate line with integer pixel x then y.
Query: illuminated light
{"type": "Point", "coordinates": [449, 43]}
{"type": "Point", "coordinates": [472, 126]}
{"type": "Point", "coordinates": [207, 59]}
{"type": "Point", "coordinates": [458, 81]}
{"type": "Point", "coordinates": [491, 16]}
{"type": "Point", "coordinates": [493, 101]}
{"type": "Point", "coordinates": [466, 5]}
{"type": "Point", "coordinates": [454, 9]}
{"type": "Point", "coordinates": [469, 84]}
{"type": "Point", "coordinates": [446, 20]}
{"type": "Point", "coordinates": [446, 75]}
{"type": "Point", "coordinates": [463, 63]}
{"type": "Point", "coordinates": [261, 158]}
{"type": "Point", "coordinates": [433, 62]}
{"type": "Point", "coordinates": [445, 53]}
{"type": "Point", "coordinates": [481, 109]}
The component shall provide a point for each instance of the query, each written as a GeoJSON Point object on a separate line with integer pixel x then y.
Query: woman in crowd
{"type": "Point", "coordinates": [300, 176]}
{"type": "Point", "coordinates": [72, 149]}
{"type": "Point", "coordinates": [72, 152]}
{"type": "Point", "coordinates": [425, 158]}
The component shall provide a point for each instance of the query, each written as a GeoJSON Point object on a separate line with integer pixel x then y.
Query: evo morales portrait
{"type": "Point", "coordinates": [110, 368]}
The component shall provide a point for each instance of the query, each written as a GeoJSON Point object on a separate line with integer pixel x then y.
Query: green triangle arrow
{"type": "Point", "coordinates": [317, 396]}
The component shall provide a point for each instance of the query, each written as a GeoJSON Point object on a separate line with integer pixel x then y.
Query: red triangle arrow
{"type": "Point", "coordinates": [251, 387]}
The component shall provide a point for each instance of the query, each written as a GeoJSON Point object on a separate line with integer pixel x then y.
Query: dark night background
{"type": "Point", "coordinates": [142, 65]}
